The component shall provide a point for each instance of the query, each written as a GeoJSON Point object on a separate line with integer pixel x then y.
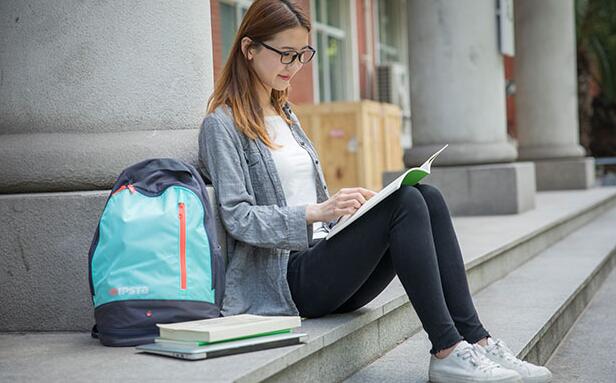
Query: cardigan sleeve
{"type": "Point", "coordinates": [258, 225]}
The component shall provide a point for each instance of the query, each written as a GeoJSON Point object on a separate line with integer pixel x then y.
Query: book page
{"type": "Point", "coordinates": [375, 199]}
{"type": "Point", "coordinates": [409, 177]}
{"type": "Point", "coordinates": [215, 324]}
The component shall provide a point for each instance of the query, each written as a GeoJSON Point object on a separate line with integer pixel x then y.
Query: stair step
{"type": "Point", "coordinates": [338, 345]}
{"type": "Point", "coordinates": [586, 355]}
{"type": "Point", "coordinates": [39, 255]}
{"type": "Point", "coordinates": [531, 309]}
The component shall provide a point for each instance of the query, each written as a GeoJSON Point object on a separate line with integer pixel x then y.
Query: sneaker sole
{"type": "Point", "coordinates": [444, 378]}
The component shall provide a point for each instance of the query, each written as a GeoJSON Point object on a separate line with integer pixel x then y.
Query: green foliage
{"type": "Point", "coordinates": [596, 40]}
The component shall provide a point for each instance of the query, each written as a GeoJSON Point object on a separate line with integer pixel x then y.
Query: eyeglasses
{"type": "Point", "coordinates": [287, 57]}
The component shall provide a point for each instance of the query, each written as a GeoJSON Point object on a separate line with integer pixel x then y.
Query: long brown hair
{"type": "Point", "coordinates": [235, 87]}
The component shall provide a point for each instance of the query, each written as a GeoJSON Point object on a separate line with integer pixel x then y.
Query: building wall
{"type": "Point", "coordinates": [216, 39]}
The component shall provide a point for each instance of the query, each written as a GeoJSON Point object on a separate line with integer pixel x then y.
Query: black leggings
{"type": "Point", "coordinates": [409, 234]}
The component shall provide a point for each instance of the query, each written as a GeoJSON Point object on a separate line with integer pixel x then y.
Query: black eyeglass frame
{"type": "Point", "coordinates": [295, 56]}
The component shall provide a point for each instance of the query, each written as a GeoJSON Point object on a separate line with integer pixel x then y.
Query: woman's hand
{"type": "Point", "coordinates": [345, 202]}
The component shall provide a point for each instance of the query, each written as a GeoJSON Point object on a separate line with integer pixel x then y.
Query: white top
{"type": "Point", "coordinates": [295, 168]}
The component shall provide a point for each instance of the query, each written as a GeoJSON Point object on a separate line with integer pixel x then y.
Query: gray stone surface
{"type": "Point", "coordinates": [332, 341]}
{"type": "Point", "coordinates": [55, 357]}
{"type": "Point", "coordinates": [45, 237]}
{"type": "Point", "coordinates": [523, 306]}
{"type": "Point", "coordinates": [487, 235]}
{"type": "Point", "coordinates": [507, 188]}
{"type": "Point", "coordinates": [465, 111]}
{"type": "Point", "coordinates": [54, 162]}
{"type": "Point", "coordinates": [112, 66]}
{"type": "Point", "coordinates": [565, 173]}
{"type": "Point", "coordinates": [44, 243]}
{"type": "Point", "coordinates": [546, 84]}
{"type": "Point", "coordinates": [586, 354]}
{"type": "Point", "coordinates": [90, 88]}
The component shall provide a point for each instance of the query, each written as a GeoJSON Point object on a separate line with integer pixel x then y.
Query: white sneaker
{"type": "Point", "coordinates": [497, 351]}
{"type": "Point", "coordinates": [466, 363]}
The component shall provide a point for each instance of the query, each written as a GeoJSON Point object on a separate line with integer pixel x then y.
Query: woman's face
{"type": "Point", "coordinates": [266, 62]}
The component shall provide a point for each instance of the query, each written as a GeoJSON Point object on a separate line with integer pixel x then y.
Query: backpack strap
{"type": "Point", "coordinates": [94, 332]}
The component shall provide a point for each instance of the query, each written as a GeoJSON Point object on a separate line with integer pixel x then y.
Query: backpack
{"type": "Point", "coordinates": [155, 257]}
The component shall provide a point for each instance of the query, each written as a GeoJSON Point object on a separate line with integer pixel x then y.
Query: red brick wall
{"type": "Point", "coordinates": [300, 91]}
{"type": "Point", "coordinates": [216, 40]}
{"type": "Point", "coordinates": [361, 49]}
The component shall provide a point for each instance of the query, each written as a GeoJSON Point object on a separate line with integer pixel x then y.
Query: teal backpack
{"type": "Point", "coordinates": [155, 257]}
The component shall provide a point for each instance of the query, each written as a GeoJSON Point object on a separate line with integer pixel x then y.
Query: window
{"type": "Point", "coordinates": [332, 49]}
{"type": "Point", "coordinates": [231, 14]}
{"type": "Point", "coordinates": [391, 42]}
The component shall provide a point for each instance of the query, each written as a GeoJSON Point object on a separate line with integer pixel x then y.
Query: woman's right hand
{"type": "Point", "coordinates": [345, 202]}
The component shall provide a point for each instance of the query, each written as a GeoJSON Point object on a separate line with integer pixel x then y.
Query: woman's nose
{"type": "Point", "coordinates": [295, 63]}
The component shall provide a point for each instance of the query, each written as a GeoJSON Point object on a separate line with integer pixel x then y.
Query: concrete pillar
{"type": "Point", "coordinates": [457, 83]}
{"type": "Point", "coordinates": [458, 97]}
{"type": "Point", "coordinates": [546, 94]}
{"type": "Point", "coordinates": [89, 88]}
{"type": "Point", "coordinates": [86, 89]}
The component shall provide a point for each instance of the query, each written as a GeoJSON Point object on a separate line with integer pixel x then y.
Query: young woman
{"type": "Point", "coordinates": [276, 209]}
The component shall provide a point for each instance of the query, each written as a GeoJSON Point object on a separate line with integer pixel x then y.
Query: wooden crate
{"type": "Point", "coordinates": [356, 141]}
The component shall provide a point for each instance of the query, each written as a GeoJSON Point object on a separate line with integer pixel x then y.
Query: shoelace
{"type": "Point", "coordinates": [478, 360]}
{"type": "Point", "coordinates": [482, 354]}
{"type": "Point", "coordinates": [499, 347]}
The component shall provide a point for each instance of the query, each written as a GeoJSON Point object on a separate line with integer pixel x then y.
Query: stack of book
{"type": "Point", "coordinates": [208, 338]}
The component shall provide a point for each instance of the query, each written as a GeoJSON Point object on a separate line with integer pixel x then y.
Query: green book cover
{"type": "Point", "coordinates": [232, 327]}
{"type": "Point", "coordinates": [203, 343]}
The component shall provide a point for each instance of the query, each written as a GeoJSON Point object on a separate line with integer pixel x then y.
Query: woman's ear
{"type": "Point", "coordinates": [246, 50]}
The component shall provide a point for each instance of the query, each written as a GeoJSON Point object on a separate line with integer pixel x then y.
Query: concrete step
{"type": "Point", "coordinates": [45, 237]}
{"type": "Point", "coordinates": [531, 309]}
{"type": "Point", "coordinates": [586, 355]}
{"type": "Point", "coordinates": [339, 345]}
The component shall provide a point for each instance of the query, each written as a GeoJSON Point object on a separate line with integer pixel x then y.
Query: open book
{"type": "Point", "coordinates": [409, 177]}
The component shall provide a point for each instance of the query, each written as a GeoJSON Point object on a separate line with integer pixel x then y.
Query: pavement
{"type": "Point", "coordinates": [587, 355]}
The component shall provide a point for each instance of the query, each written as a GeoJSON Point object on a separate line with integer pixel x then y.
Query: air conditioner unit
{"type": "Point", "coordinates": [393, 86]}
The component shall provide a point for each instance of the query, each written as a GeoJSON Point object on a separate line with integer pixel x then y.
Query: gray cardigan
{"type": "Point", "coordinates": [260, 228]}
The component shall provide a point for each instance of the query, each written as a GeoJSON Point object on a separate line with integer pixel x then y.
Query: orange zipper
{"type": "Point", "coordinates": [182, 215]}
{"type": "Point", "coordinates": [119, 189]}
{"type": "Point", "coordinates": [129, 186]}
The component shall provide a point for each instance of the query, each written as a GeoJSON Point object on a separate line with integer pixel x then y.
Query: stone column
{"type": "Point", "coordinates": [546, 94]}
{"type": "Point", "coordinates": [89, 88]}
{"type": "Point", "coordinates": [458, 98]}
{"type": "Point", "coordinates": [86, 89]}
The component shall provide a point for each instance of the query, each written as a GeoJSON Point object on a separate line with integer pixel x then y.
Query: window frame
{"type": "Point", "coordinates": [345, 33]}
{"type": "Point", "coordinates": [238, 5]}
{"type": "Point", "coordinates": [403, 30]}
